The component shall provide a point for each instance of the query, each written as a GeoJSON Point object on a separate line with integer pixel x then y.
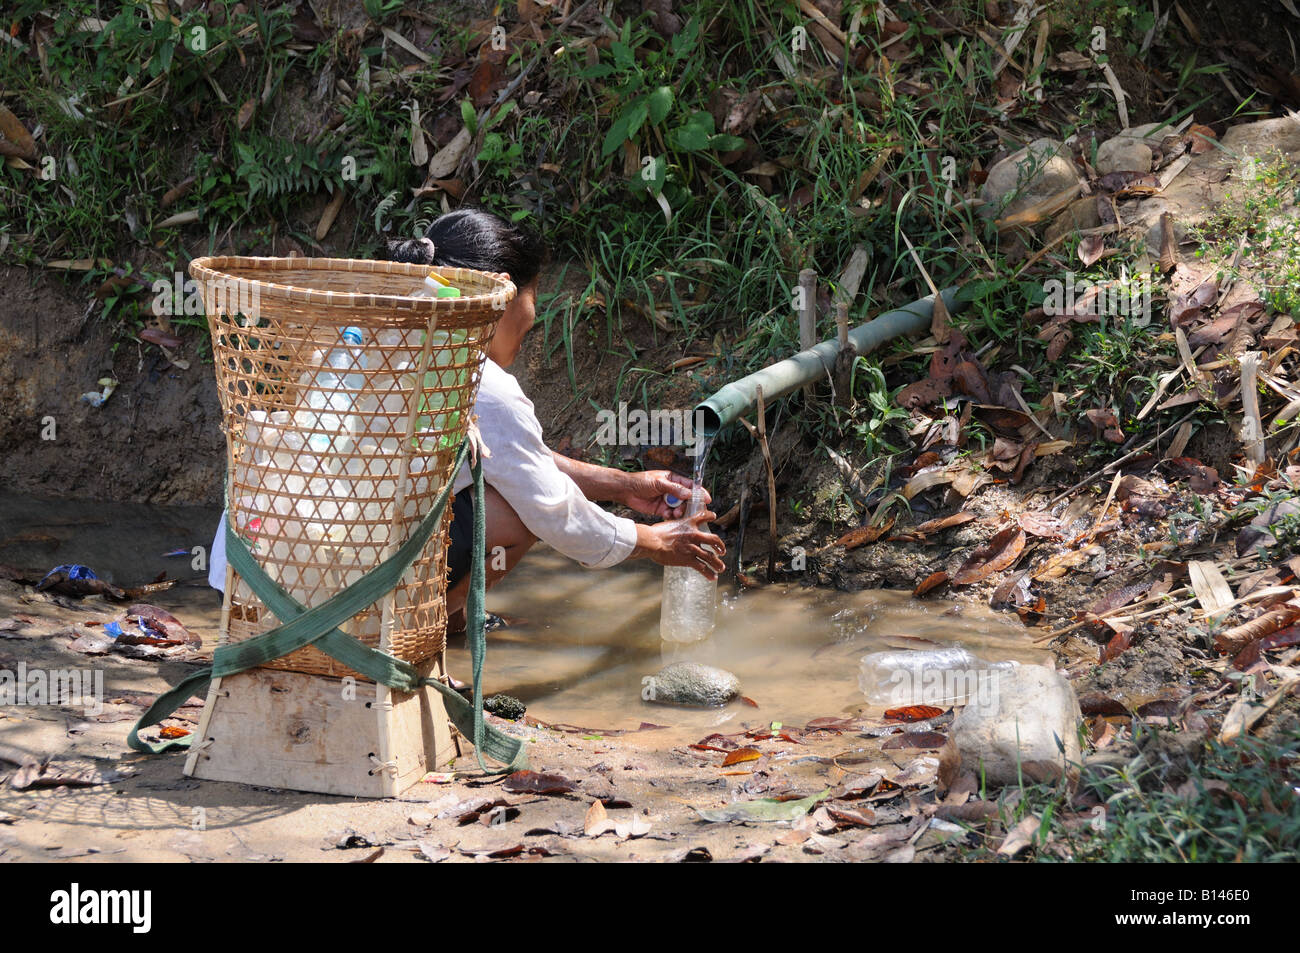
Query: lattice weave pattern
{"type": "Point", "coordinates": [345, 399]}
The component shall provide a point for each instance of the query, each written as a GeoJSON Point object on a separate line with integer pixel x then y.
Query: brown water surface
{"type": "Point", "coordinates": [581, 642]}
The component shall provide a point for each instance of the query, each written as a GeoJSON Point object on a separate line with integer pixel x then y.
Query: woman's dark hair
{"type": "Point", "coordinates": [478, 239]}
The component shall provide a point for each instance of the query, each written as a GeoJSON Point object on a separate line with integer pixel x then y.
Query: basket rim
{"type": "Point", "coordinates": [210, 267]}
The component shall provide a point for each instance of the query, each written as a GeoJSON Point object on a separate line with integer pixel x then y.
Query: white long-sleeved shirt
{"type": "Point", "coordinates": [522, 469]}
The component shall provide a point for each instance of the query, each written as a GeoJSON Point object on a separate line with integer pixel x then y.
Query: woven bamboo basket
{"type": "Point", "coordinates": [345, 400]}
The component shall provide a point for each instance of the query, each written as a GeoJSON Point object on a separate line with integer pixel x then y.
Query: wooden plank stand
{"type": "Point", "coordinates": [326, 735]}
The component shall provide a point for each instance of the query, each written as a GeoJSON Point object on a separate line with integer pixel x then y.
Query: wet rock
{"type": "Point", "coordinates": [504, 706]}
{"type": "Point", "coordinates": [1123, 154]}
{"type": "Point", "coordinates": [1035, 173]}
{"type": "Point", "coordinates": [692, 684]}
{"type": "Point", "coordinates": [1014, 728]}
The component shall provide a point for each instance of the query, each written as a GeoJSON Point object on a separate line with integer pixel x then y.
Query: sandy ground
{"type": "Point", "coordinates": [650, 784]}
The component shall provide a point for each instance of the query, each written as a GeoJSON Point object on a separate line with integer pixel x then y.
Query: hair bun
{"type": "Point", "coordinates": [415, 251]}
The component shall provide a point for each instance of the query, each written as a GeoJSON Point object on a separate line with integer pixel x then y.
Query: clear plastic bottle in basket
{"type": "Point", "coordinates": [690, 601]}
{"type": "Point", "coordinates": [385, 409]}
{"type": "Point", "coordinates": [331, 397]}
{"type": "Point", "coordinates": [332, 394]}
{"type": "Point", "coordinates": [268, 521]}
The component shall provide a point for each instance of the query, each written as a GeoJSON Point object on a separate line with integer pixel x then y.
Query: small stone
{"type": "Point", "coordinates": [1013, 728]}
{"type": "Point", "coordinates": [1123, 154]}
{"type": "Point", "coordinates": [691, 684]}
{"type": "Point", "coordinates": [504, 706]}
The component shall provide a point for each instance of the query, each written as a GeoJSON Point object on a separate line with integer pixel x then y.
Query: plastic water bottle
{"type": "Point", "coordinates": [690, 601]}
{"type": "Point", "coordinates": [333, 394]}
{"type": "Point", "coordinates": [948, 676]}
{"type": "Point", "coordinates": [332, 398]}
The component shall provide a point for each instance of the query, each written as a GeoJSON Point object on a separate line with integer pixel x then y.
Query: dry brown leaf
{"type": "Point", "coordinates": [995, 555]}
{"type": "Point", "coordinates": [924, 481]}
{"type": "Point", "coordinates": [943, 522]}
{"type": "Point", "coordinates": [20, 141]}
{"type": "Point", "coordinates": [1061, 563]}
{"type": "Point", "coordinates": [923, 393]}
{"type": "Point", "coordinates": [1202, 138]}
{"type": "Point", "coordinates": [1130, 486]}
{"type": "Point", "coordinates": [447, 159]}
{"type": "Point", "coordinates": [246, 113]}
{"type": "Point", "coordinates": [1091, 248]}
{"type": "Point", "coordinates": [1231, 641]}
{"type": "Point", "coordinates": [1021, 836]}
{"type": "Point", "coordinates": [930, 582]}
{"type": "Point", "coordinates": [1211, 588]}
{"type": "Point", "coordinates": [595, 823]}
{"type": "Point", "coordinates": [864, 535]}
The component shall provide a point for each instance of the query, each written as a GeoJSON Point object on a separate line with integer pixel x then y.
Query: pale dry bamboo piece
{"type": "Point", "coordinates": [332, 466]}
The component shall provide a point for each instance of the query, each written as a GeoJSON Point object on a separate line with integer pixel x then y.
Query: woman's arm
{"type": "Point", "coordinates": [643, 492]}
{"type": "Point", "coordinates": [598, 484]}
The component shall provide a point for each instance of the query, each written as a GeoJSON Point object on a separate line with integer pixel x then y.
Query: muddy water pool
{"type": "Point", "coordinates": [579, 642]}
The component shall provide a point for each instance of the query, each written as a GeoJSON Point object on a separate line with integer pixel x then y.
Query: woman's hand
{"type": "Point", "coordinates": [645, 493]}
{"type": "Point", "coordinates": [682, 543]}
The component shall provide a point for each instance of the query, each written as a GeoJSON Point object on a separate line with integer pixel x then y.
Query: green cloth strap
{"type": "Point", "coordinates": [318, 626]}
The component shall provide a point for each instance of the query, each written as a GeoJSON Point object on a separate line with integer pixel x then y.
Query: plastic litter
{"type": "Point", "coordinates": [74, 571]}
{"type": "Point", "coordinates": [943, 676]}
{"type": "Point", "coordinates": [96, 398]}
{"type": "Point", "coordinates": [690, 601]}
{"type": "Point", "coordinates": [436, 286]}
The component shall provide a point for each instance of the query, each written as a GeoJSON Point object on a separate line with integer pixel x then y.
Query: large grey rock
{"type": "Point", "coordinates": [1123, 154]}
{"type": "Point", "coordinates": [1034, 173]}
{"type": "Point", "coordinates": [690, 683]}
{"type": "Point", "coordinates": [1013, 727]}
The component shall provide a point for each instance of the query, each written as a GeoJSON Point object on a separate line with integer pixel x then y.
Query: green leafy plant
{"type": "Point", "coordinates": [275, 168]}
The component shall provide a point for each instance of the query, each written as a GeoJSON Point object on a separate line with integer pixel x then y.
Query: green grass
{"type": "Point", "coordinates": [1236, 803]}
{"type": "Point", "coordinates": [623, 167]}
